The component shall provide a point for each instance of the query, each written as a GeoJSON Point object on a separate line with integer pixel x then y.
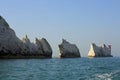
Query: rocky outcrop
{"type": "Point", "coordinates": [12, 47]}
{"type": "Point", "coordinates": [68, 50]}
{"type": "Point", "coordinates": [46, 48]}
{"type": "Point", "coordinates": [102, 51]}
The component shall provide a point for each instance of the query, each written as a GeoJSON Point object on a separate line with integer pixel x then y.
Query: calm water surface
{"type": "Point", "coordinates": [60, 69]}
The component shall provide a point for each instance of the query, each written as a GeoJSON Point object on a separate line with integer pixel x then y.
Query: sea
{"type": "Point", "coordinates": [84, 68]}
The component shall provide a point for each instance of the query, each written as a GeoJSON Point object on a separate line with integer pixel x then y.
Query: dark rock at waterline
{"type": "Point", "coordinates": [99, 51]}
{"type": "Point", "coordinates": [68, 50]}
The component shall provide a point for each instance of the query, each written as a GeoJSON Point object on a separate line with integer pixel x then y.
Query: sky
{"type": "Point", "coordinates": [80, 22]}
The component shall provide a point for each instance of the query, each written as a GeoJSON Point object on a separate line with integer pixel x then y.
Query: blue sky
{"type": "Point", "coordinates": [78, 21]}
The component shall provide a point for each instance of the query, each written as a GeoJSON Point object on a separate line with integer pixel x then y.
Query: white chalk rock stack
{"type": "Point", "coordinates": [9, 43]}
{"type": "Point", "coordinates": [68, 50]}
{"type": "Point", "coordinates": [12, 47]}
{"type": "Point", "coordinates": [46, 48]}
{"type": "Point", "coordinates": [99, 51]}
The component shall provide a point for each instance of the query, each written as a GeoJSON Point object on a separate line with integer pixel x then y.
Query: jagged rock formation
{"type": "Point", "coordinates": [12, 47]}
{"type": "Point", "coordinates": [102, 51]}
{"type": "Point", "coordinates": [68, 50]}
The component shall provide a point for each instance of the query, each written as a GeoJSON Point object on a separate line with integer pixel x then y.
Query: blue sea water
{"type": "Point", "coordinates": [61, 69]}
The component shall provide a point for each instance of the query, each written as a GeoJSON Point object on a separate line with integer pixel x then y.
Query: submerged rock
{"type": "Point", "coordinates": [12, 47]}
{"type": "Point", "coordinates": [68, 50]}
{"type": "Point", "coordinates": [102, 51]}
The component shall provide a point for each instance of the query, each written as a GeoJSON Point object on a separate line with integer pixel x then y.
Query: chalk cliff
{"type": "Point", "coordinates": [68, 50]}
{"type": "Point", "coordinates": [99, 51]}
{"type": "Point", "coordinates": [12, 47]}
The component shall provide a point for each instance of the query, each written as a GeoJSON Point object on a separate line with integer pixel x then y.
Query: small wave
{"type": "Point", "coordinates": [105, 76]}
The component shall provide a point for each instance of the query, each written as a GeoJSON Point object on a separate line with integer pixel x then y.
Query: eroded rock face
{"type": "Point", "coordinates": [68, 50]}
{"type": "Point", "coordinates": [12, 47]}
{"type": "Point", "coordinates": [46, 48]}
{"type": "Point", "coordinates": [102, 51]}
{"type": "Point", "coordinates": [9, 43]}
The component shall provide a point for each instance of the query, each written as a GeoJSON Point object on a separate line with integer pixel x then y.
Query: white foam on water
{"type": "Point", "coordinates": [105, 76]}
